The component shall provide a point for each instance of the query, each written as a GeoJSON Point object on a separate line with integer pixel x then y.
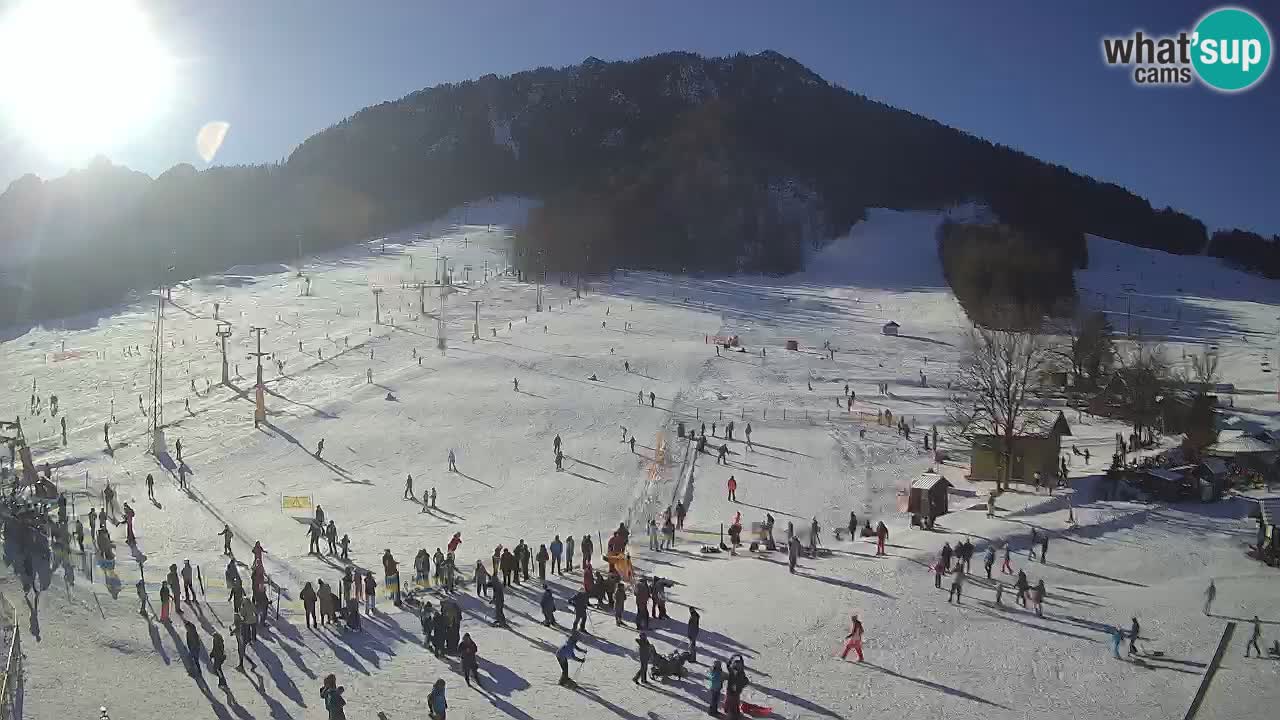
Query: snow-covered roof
{"type": "Point", "coordinates": [1168, 475]}
{"type": "Point", "coordinates": [1235, 442]}
{"type": "Point", "coordinates": [928, 481]}
{"type": "Point", "coordinates": [892, 324]}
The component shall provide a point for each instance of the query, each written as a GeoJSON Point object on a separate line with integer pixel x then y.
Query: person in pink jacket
{"type": "Point", "coordinates": [853, 641]}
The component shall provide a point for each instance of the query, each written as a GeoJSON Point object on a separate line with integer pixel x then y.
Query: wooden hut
{"type": "Point", "coordinates": [890, 328]}
{"type": "Point", "coordinates": [927, 498]}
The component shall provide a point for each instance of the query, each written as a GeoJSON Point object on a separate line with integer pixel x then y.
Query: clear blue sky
{"type": "Point", "coordinates": [1026, 74]}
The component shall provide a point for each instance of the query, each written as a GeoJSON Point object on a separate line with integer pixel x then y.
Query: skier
{"type": "Point", "coordinates": [408, 487]}
{"type": "Point", "coordinates": [1210, 593]}
{"type": "Point", "coordinates": [548, 605]}
{"type": "Point", "coordinates": [645, 649]}
{"type": "Point", "coordinates": [556, 549]}
{"type": "Point", "coordinates": [853, 641]}
{"type": "Point", "coordinates": [1135, 629]}
{"type": "Point", "coordinates": [515, 385]}
{"type": "Point", "coordinates": [619, 603]}
{"type": "Point", "coordinates": [452, 464]}
{"type": "Point", "coordinates": [226, 538]}
{"type": "Point", "coordinates": [733, 489]}
{"type": "Point", "coordinates": [188, 587]}
{"type": "Point", "coordinates": [331, 535]}
{"type": "Point", "coordinates": [567, 652]}
{"type": "Point", "coordinates": [691, 632]}
{"type": "Point", "coordinates": [1254, 637]}
{"type": "Point", "coordinates": [470, 663]}
{"type": "Point", "coordinates": [217, 656]}
{"type": "Point", "coordinates": [579, 602]}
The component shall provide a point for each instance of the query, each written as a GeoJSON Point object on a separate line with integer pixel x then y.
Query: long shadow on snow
{"type": "Point", "coordinates": [934, 686]}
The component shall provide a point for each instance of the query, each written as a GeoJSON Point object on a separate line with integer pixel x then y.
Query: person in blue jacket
{"type": "Point", "coordinates": [715, 680]}
{"type": "Point", "coordinates": [568, 652]}
{"type": "Point", "coordinates": [436, 705]}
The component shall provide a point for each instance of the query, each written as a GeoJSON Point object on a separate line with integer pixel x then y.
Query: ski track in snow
{"type": "Point", "coordinates": [924, 655]}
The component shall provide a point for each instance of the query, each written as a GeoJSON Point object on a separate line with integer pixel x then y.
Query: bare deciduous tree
{"type": "Point", "coordinates": [1086, 348]}
{"type": "Point", "coordinates": [993, 389]}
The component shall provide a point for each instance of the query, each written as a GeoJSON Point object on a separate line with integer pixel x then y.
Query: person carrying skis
{"type": "Point", "coordinates": [853, 641]}
{"type": "Point", "coordinates": [569, 651]}
{"type": "Point", "coordinates": [548, 605]}
{"type": "Point", "coordinates": [557, 548]}
{"type": "Point", "coordinates": [470, 662]}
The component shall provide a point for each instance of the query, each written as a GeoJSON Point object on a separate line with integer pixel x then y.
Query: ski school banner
{"type": "Point", "coordinates": [296, 502]}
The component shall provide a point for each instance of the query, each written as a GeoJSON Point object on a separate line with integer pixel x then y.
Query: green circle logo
{"type": "Point", "coordinates": [1231, 49]}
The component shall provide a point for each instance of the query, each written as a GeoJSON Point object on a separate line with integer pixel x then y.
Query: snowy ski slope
{"type": "Point", "coordinates": [924, 656]}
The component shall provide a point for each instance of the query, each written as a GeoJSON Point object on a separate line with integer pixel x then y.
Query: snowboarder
{"type": "Point", "coordinates": [645, 650]}
{"type": "Point", "coordinates": [408, 487]}
{"type": "Point", "coordinates": [853, 641]}
{"type": "Point", "coordinates": [1210, 593]}
{"type": "Point", "coordinates": [567, 652]}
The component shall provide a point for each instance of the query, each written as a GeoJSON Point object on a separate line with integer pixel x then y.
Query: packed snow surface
{"type": "Point", "coordinates": [86, 644]}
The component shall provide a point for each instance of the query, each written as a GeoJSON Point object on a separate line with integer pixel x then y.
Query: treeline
{"type": "Point", "coordinates": [674, 161]}
{"type": "Point", "coordinates": [1005, 277]}
{"type": "Point", "coordinates": [1247, 251]}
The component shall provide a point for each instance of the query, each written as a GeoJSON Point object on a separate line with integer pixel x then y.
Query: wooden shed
{"type": "Point", "coordinates": [890, 328]}
{"type": "Point", "coordinates": [928, 498]}
{"type": "Point", "coordinates": [1030, 453]}
{"type": "Point", "coordinates": [793, 345]}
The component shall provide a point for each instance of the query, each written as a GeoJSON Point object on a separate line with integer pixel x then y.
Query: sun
{"type": "Point", "coordinates": [80, 77]}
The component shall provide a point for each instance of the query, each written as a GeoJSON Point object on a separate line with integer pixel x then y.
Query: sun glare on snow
{"type": "Point", "coordinates": [80, 76]}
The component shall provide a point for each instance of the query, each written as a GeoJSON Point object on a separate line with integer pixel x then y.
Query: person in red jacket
{"type": "Point", "coordinates": [733, 489]}
{"type": "Point", "coordinates": [455, 542]}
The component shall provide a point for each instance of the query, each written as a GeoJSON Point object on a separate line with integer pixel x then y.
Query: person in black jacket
{"type": "Point", "coordinates": [470, 662]}
{"type": "Point", "coordinates": [694, 621]}
{"type": "Point", "coordinates": [619, 603]}
{"type": "Point", "coordinates": [735, 683]}
{"type": "Point", "coordinates": [548, 607]}
{"type": "Point", "coordinates": [217, 656]}
{"type": "Point", "coordinates": [499, 600]}
{"type": "Point", "coordinates": [645, 648]}
{"type": "Point", "coordinates": [542, 558]}
{"type": "Point", "coordinates": [193, 648]}
{"type": "Point", "coordinates": [579, 603]}
{"type": "Point", "coordinates": [508, 566]}
{"type": "Point", "coordinates": [439, 630]}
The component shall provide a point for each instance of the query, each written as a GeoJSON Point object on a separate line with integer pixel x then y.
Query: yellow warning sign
{"type": "Point", "coordinates": [296, 502]}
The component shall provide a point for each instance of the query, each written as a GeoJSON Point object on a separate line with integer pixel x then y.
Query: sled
{"type": "Point", "coordinates": [755, 710]}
